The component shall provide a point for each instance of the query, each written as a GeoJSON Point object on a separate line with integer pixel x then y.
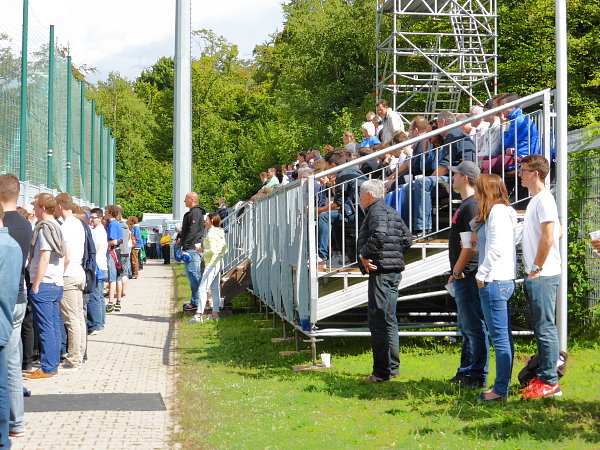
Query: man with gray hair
{"type": "Point", "coordinates": [383, 239]}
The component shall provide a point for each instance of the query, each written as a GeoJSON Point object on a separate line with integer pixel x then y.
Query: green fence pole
{"type": "Point", "coordinates": [109, 169]}
{"type": "Point", "coordinates": [92, 154]}
{"type": "Point", "coordinates": [102, 204]}
{"type": "Point", "coordinates": [69, 99]}
{"type": "Point", "coordinates": [23, 123]}
{"type": "Point", "coordinates": [50, 106]}
{"type": "Point", "coordinates": [82, 141]}
{"type": "Point", "coordinates": [115, 166]}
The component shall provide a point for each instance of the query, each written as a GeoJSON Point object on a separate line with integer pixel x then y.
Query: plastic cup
{"type": "Point", "coordinates": [326, 359]}
{"type": "Point", "coordinates": [305, 323]}
{"type": "Point", "coordinates": [450, 288]}
{"type": "Point", "coordinates": [465, 237]}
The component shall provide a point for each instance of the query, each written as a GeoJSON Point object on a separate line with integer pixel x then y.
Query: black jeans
{"type": "Point", "coordinates": [28, 338]}
{"type": "Point", "coordinates": [383, 323]}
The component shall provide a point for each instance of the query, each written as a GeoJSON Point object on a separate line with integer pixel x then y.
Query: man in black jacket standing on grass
{"type": "Point", "coordinates": [382, 240]}
{"type": "Point", "coordinates": [192, 232]}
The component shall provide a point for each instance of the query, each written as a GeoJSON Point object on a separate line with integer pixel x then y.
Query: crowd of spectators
{"type": "Point", "coordinates": [55, 260]}
{"type": "Point", "coordinates": [415, 176]}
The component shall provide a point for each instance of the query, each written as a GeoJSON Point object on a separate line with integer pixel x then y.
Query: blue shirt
{"type": "Point", "coordinates": [369, 142]}
{"type": "Point", "coordinates": [114, 231]}
{"type": "Point", "coordinates": [11, 259]}
{"type": "Point", "coordinates": [137, 233]}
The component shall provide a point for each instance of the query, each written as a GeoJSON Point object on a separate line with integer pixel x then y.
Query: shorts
{"type": "Point", "coordinates": [112, 270]}
{"type": "Point", "coordinates": [126, 265]}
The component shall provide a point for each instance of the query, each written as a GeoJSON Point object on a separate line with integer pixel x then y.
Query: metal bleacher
{"type": "Point", "coordinates": [277, 237]}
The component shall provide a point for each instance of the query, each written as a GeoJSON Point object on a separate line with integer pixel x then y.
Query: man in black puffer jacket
{"type": "Point", "coordinates": [382, 240]}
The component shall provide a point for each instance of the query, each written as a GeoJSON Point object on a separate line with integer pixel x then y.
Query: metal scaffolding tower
{"type": "Point", "coordinates": [432, 53]}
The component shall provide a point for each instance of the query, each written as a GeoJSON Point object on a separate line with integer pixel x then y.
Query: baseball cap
{"type": "Point", "coordinates": [467, 168]}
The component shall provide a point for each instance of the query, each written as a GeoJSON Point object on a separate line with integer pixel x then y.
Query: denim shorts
{"type": "Point", "coordinates": [112, 269]}
{"type": "Point", "coordinates": [126, 265]}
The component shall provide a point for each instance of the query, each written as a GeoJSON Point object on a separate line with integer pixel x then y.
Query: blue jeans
{"type": "Point", "coordinates": [541, 293]}
{"type": "Point", "coordinates": [113, 276]}
{"type": "Point", "coordinates": [158, 250]}
{"type": "Point", "coordinates": [383, 323]}
{"type": "Point", "coordinates": [324, 230]}
{"type": "Point", "coordinates": [96, 308]}
{"type": "Point", "coordinates": [46, 318]}
{"type": "Point", "coordinates": [421, 204]}
{"type": "Point", "coordinates": [494, 303]}
{"type": "Point", "coordinates": [14, 356]}
{"type": "Point", "coordinates": [472, 325]}
{"type": "Point", "coordinates": [193, 270]}
{"type": "Point", "coordinates": [4, 400]}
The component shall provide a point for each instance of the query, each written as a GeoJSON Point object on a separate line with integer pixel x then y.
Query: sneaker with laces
{"type": "Point", "coordinates": [216, 318]}
{"type": "Point", "coordinates": [196, 319]}
{"type": "Point", "coordinates": [189, 306]}
{"type": "Point", "coordinates": [68, 368]}
{"type": "Point", "coordinates": [16, 434]}
{"type": "Point", "coordinates": [39, 375]}
{"type": "Point", "coordinates": [541, 389]}
{"type": "Point", "coordinates": [110, 307]}
{"type": "Point", "coordinates": [117, 307]}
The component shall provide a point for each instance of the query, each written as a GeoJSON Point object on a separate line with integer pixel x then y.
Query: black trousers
{"type": "Point", "coordinates": [383, 323]}
{"type": "Point", "coordinates": [28, 338]}
{"type": "Point", "coordinates": [166, 251]}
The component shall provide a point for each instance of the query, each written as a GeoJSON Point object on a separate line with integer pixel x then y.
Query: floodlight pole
{"type": "Point", "coordinates": [561, 163]}
{"type": "Point", "coordinates": [182, 126]}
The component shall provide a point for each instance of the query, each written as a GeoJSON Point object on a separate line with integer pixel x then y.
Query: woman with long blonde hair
{"type": "Point", "coordinates": [496, 274]}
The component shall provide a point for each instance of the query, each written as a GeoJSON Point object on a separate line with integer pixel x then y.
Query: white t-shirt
{"type": "Point", "coordinates": [100, 239]}
{"type": "Point", "coordinates": [54, 273]}
{"type": "Point", "coordinates": [541, 208]}
{"type": "Point", "coordinates": [74, 235]}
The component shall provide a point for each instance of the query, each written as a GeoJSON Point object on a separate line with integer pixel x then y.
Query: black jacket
{"type": "Point", "coordinates": [383, 238]}
{"type": "Point", "coordinates": [192, 227]}
{"type": "Point", "coordinates": [347, 187]}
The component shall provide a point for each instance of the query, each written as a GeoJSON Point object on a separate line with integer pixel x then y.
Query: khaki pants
{"type": "Point", "coordinates": [135, 265]}
{"type": "Point", "coordinates": [71, 310]}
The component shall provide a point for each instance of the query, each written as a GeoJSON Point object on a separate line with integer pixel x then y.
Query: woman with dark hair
{"type": "Point", "coordinates": [495, 224]}
{"type": "Point", "coordinates": [214, 250]}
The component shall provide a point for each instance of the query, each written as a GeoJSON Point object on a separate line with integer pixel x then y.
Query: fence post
{"type": "Point", "coordinates": [23, 123]}
{"type": "Point", "coordinates": [92, 154]}
{"type": "Point", "coordinates": [102, 161]}
{"type": "Point", "coordinates": [114, 192]}
{"type": "Point", "coordinates": [109, 169]}
{"type": "Point", "coordinates": [82, 140]}
{"type": "Point", "coordinates": [69, 99]}
{"type": "Point", "coordinates": [50, 106]}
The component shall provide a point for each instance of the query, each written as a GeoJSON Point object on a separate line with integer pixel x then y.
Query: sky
{"type": "Point", "coordinates": [127, 36]}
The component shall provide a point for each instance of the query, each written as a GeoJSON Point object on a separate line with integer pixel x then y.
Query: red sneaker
{"type": "Point", "coordinates": [530, 386]}
{"type": "Point", "coordinates": [541, 389]}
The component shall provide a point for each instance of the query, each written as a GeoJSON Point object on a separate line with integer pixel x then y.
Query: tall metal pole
{"type": "Point", "coordinates": [114, 190]}
{"type": "Point", "coordinates": [182, 126]}
{"type": "Point", "coordinates": [101, 176]}
{"type": "Point", "coordinates": [109, 166]}
{"type": "Point", "coordinates": [23, 124]}
{"type": "Point", "coordinates": [69, 124]}
{"type": "Point", "coordinates": [561, 162]}
{"type": "Point", "coordinates": [50, 107]}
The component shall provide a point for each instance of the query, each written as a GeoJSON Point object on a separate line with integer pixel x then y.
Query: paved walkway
{"type": "Point", "coordinates": [134, 355]}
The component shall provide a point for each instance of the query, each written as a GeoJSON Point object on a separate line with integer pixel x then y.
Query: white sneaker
{"type": "Point", "coordinates": [196, 319]}
{"type": "Point", "coordinates": [211, 317]}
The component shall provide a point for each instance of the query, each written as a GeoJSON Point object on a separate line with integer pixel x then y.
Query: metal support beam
{"type": "Point", "coordinates": [23, 123]}
{"type": "Point", "coordinates": [50, 107]}
{"type": "Point", "coordinates": [69, 123]}
{"type": "Point", "coordinates": [93, 154]}
{"type": "Point", "coordinates": [182, 127]}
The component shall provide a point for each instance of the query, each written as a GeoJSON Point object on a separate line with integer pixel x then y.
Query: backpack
{"type": "Point", "coordinates": [88, 261]}
{"type": "Point", "coordinates": [531, 365]}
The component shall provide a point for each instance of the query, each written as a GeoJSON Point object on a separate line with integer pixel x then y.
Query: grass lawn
{"type": "Point", "coordinates": [235, 391]}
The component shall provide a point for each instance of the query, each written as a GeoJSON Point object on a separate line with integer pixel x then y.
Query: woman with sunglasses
{"type": "Point", "coordinates": [496, 221]}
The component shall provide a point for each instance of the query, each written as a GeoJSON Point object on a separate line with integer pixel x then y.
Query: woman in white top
{"type": "Point", "coordinates": [214, 250]}
{"type": "Point", "coordinates": [496, 274]}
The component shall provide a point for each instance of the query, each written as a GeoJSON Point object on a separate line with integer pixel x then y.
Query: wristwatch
{"type": "Point", "coordinates": [456, 274]}
{"type": "Point", "coordinates": [535, 268]}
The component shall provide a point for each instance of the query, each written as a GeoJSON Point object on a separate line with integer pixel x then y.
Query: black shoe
{"type": "Point", "coordinates": [117, 307]}
{"type": "Point", "coordinates": [190, 306]}
{"type": "Point", "coordinates": [473, 383]}
{"type": "Point", "coordinates": [458, 378]}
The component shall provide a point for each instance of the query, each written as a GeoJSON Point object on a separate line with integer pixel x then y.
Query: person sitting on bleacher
{"type": "Point", "coordinates": [457, 147]}
{"type": "Point", "coordinates": [520, 139]}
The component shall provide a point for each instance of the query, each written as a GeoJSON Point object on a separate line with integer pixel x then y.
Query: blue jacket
{"type": "Point", "coordinates": [11, 258]}
{"type": "Point", "coordinates": [521, 134]}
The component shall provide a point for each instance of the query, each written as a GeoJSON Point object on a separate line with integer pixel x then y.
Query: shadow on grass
{"type": "Point", "coordinates": [237, 343]}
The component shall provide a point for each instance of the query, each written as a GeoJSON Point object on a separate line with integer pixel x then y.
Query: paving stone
{"type": "Point", "coordinates": [131, 356]}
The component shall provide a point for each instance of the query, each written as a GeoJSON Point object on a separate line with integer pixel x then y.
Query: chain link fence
{"type": "Point", "coordinates": [56, 142]}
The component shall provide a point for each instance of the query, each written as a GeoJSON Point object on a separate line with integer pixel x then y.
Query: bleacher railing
{"type": "Point", "coordinates": [279, 233]}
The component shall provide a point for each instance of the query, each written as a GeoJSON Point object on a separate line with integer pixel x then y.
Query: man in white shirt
{"type": "Point", "coordinates": [71, 306]}
{"type": "Point", "coordinates": [541, 258]}
{"type": "Point", "coordinates": [96, 306]}
{"type": "Point", "coordinates": [391, 120]}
